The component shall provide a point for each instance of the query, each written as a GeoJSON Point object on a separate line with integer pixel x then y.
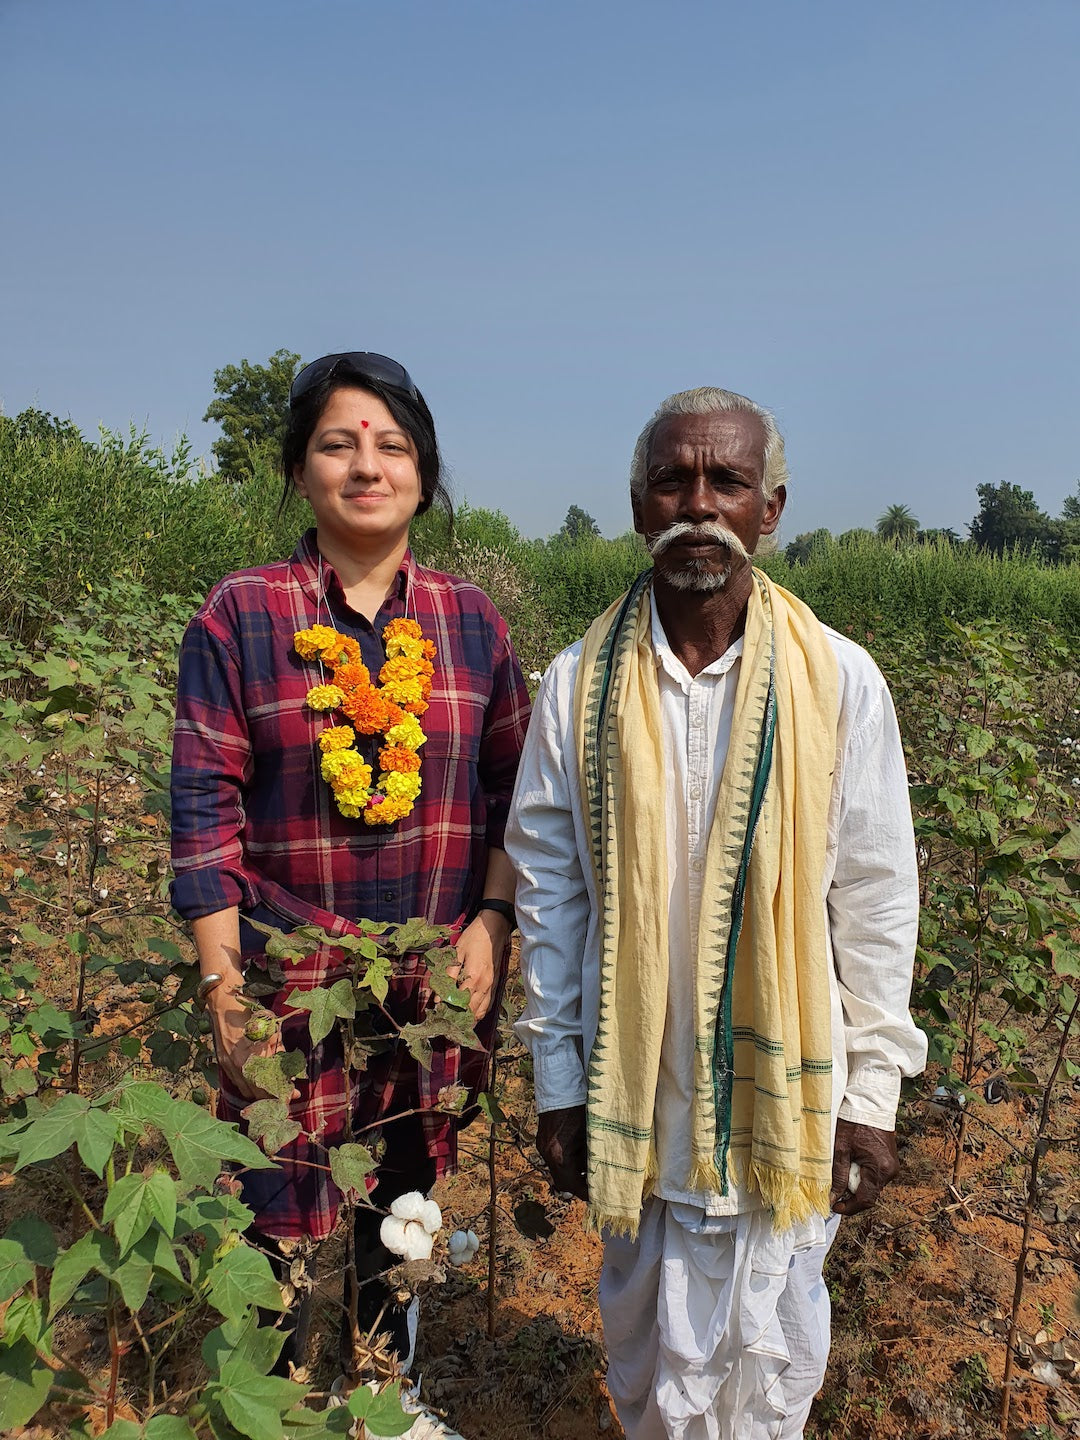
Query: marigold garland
{"type": "Point", "coordinates": [391, 709]}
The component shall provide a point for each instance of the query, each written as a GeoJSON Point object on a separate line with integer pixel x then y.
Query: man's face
{"type": "Point", "coordinates": [703, 484]}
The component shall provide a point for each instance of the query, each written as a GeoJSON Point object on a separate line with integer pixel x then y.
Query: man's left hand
{"type": "Point", "coordinates": [874, 1151]}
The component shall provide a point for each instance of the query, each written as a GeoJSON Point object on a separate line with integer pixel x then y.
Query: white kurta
{"type": "Point", "coordinates": [870, 895]}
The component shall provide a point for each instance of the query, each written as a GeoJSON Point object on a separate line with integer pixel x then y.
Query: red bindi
{"type": "Point", "coordinates": [364, 424]}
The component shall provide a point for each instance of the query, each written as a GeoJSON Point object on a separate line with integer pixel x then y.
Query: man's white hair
{"type": "Point", "coordinates": [708, 401]}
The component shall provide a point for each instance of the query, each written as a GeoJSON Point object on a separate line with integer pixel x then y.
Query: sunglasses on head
{"type": "Point", "coordinates": [362, 364]}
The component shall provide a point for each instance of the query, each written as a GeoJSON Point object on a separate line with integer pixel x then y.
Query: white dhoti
{"type": "Point", "coordinates": [716, 1328]}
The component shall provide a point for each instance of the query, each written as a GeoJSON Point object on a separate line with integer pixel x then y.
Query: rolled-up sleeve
{"type": "Point", "coordinates": [210, 768]}
{"type": "Point", "coordinates": [553, 902]}
{"type": "Point", "coordinates": [873, 905]}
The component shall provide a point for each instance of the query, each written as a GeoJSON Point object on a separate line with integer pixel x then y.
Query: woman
{"type": "Point", "coordinates": [262, 829]}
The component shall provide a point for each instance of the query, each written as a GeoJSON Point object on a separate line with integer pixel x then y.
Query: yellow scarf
{"type": "Point", "coordinates": [763, 1048]}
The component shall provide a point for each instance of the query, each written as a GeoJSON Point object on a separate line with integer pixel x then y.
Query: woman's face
{"type": "Point", "coordinates": [360, 473]}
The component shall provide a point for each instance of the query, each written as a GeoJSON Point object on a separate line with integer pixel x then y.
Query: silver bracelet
{"type": "Point", "coordinates": [204, 987]}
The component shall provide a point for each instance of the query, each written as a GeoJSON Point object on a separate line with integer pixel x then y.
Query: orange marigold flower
{"type": "Point", "coordinates": [402, 626]}
{"type": "Point", "coordinates": [429, 649]}
{"type": "Point", "coordinates": [396, 757]}
{"type": "Point", "coordinates": [351, 650]}
{"type": "Point", "coordinates": [367, 709]}
{"type": "Point", "coordinates": [351, 674]}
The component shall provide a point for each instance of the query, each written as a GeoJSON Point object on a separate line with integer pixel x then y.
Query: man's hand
{"type": "Point", "coordinates": [874, 1151]}
{"type": "Point", "coordinates": [560, 1138]}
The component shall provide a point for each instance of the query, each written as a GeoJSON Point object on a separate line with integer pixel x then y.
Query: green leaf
{"type": "Point", "coordinates": [453, 1025]}
{"type": "Point", "coordinates": [415, 934]}
{"type": "Point", "coordinates": [133, 1277]}
{"type": "Point", "coordinates": [326, 1007]}
{"type": "Point", "coordinates": [147, 1102]}
{"type": "Point", "coordinates": [381, 1413]}
{"type": "Point", "coordinates": [255, 1403]}
{"type": "Point", "coordinates": [36, 1238]}
{"type": "Point", "coordinates": [96, 1134]}
{"type": "Point", "coordinates": [168, 1427]}
{"type": "Point", "coordinates": [25, 1318]}
{"type": "Point", "coordinates": [349, 1164]}
{"type": "Point", "coordinates": [135, 1202]}
{"type": "Point", "coordinates": [491, 1108]}
{"type": "Point", "coordinates": [24, 1385]}
{"type": "Point", "coordinates": [122, 1430]}
{"type": "Point", "coordinates": [1066, 955]}
{"type": "Point", "coordinates": [240, 1279]}
{"type": "Point", "coordinates": [258, 1345]}
{"type": "Point", "coordinates": [1068, 847]}
{"type": "Point", "coordinates": [268, 1123]}
{"type": "Point", "coordinates": [53, 1132]}
{"type": "Point", "coordinates": [377, 976]}
{"type": "Point", "coordinates": [15, 1269]}
{"type": "Point", "coordinates": [202, 1146]}
{"type": "Point", "coordinates": [275, 1073]}
{"type": "Point", "coordinates": [32, 935]}
{"type": "Point", "coordinates": [92, 1252]}
{"type": "Point", "coordinates": [167, 949]}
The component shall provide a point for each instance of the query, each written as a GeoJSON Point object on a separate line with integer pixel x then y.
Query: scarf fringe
{"type": "Point", "coordinates": [616, 1226]}
{"type": "Point", "coordinates": [791, 1198]}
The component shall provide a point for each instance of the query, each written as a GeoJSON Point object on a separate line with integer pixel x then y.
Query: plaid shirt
{"type": "Point", "coordinates": [254, 823]}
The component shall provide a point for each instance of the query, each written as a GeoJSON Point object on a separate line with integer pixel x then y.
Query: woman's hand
{"type": "Point", "coordinates": [480, 949]}
{"type": "Point", "coordinates": [234, 1049]}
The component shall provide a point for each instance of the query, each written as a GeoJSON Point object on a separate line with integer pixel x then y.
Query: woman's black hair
{"type": "Point", "coordinates": [412, 414]}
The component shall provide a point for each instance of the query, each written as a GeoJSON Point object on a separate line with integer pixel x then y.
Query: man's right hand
{"type": "Point", "coordinates": [560, 1138]}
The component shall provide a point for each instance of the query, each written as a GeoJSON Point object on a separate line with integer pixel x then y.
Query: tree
{"type": "Point", "coordinates": [945, 536]}
{"type": "Point", "coordinates": [1008, 516]}
{"type": "Point", "coordinates": [897, 524]}
{"type": "Point", "coordinates": [1071, 508]}
{"type": "Point", "coordinates": [799, 550]}
{"type": "Point", "coordinates": [578, 525]}
{"type": "Point", "coordinates": [252, 407]}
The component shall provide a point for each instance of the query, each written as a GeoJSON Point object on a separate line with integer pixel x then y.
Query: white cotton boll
{"type": "Point", "coordinates": [458, 1244]}
{"type": "Point", "coordinates": [392, 1235]}
{"type": "Point", "coordinates": [854, 1177]}
{"type": "Point", "coordinates": [420, 1244]}
{"type": "Point", "coordinates": [431, 1217]}
{"type": "Point", "coordinates": [409, 1206]}
{"type": "Point", "coordinates": [474, 1243]}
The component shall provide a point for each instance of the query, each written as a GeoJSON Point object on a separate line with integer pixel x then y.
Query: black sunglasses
{"type": "Point", "coordinates": [363, 364]}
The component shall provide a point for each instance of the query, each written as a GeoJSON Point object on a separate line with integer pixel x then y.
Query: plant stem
{"type": "Point", "coordinates": [1042, 1145]}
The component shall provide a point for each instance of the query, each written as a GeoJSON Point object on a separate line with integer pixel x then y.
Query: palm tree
{"type": "Point", "coordinates": [897, 524]}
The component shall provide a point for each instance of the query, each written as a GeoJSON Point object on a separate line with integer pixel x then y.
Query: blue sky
{"type": "Point", "coordinates": [864, 216]}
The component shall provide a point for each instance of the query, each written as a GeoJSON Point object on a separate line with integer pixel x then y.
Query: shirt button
{"type": "Point", "coordinates": [388, 895]}
{"type": "Point", "coordinates": [695, 865]}
{"type": "Point", "coordinates": [696, 721]}
{"type": "Point", "coordinates": [695, 792]}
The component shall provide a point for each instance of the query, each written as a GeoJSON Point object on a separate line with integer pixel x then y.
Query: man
{"type": "Point", "coordinates": [718, 904]}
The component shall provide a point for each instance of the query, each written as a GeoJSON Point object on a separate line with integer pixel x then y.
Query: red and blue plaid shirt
{"type": "Point", "coordinates": [255, 825]}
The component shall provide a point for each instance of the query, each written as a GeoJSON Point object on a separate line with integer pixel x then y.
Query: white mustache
{"type": "Point", "coordinates": [707, 532]}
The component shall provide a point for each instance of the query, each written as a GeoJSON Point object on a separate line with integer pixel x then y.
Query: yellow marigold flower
{"type": "Point", "coordinates": [399, 668]}
{"type": "Point", "coordinates": [345, 767]}
{"type": "Point", "coordinates": [316, 641]}
{"type": "Point", "coordinates": [406, 733]}
{"type": "Point", "coordinates": [336, 737]}
{"type": "Point", "coordinates": [403, 692]}
{"type": "Point", "coordinates": [325, 697]}
{"type": "Point", "coordinates": [351, 812]}
{"type": "Point", "coordinates": [387, 811]}
{"type": "Point", "coordinates": [400, 787]}
{"type": "Point", "coordinates": [396, 757]}
{"type": "Point", "coordinates": [351, 794]}
{"type": "Point", "coordinates": [411, 650]}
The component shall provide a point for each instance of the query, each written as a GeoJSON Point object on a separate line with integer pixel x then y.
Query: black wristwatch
{"type": "Point", "coordinates": [501, 907]}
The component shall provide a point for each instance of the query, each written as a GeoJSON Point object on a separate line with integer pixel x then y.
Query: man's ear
{"type": "Point", "coordinates": [635, 508]}
{"type": "Point", "coordinates": [774, 508]}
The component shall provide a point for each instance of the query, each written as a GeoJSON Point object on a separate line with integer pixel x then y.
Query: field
{"type": "Point", "coordinates": [126, 1296]}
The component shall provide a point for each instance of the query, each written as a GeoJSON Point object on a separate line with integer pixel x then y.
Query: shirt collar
{"type": "Point", "coordinates": [305, 567]}
{"type": "Point", "coordinates": [667, 660]}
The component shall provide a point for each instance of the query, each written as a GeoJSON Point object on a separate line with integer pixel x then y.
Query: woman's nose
{"type": "Point", "coordinates": [365, 457]}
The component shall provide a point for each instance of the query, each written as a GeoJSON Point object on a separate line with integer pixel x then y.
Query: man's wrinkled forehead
{"type": "Point", "coordinates": [725, 437]}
